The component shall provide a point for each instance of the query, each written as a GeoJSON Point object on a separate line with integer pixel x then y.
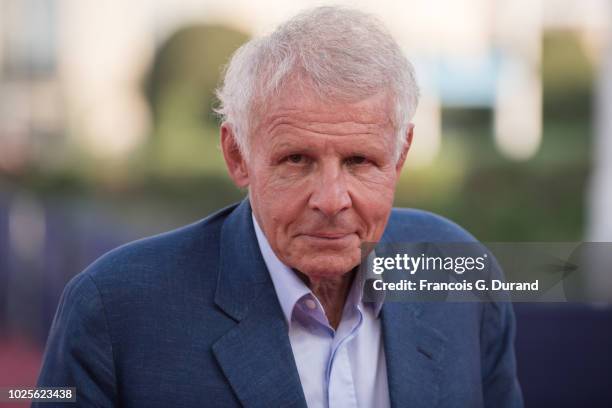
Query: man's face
{"type": "Point", "coordinates": [321, 179]}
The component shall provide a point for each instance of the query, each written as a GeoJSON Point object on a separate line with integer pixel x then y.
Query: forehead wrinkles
{"type": "Point", "coordinates": [294, 105]}
{"type": "Point", "coordinates": [322, 125]}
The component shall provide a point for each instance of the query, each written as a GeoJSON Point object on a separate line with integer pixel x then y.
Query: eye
{"type": "Point", "coordinates": [296, 158]}
{"type": "Point", "coordinates": [356, 160]}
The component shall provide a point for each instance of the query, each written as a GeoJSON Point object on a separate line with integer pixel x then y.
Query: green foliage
{"type": "Point", "coordinates": [501, 200]}
{"type": "Point", "coordinates": [182, 177]}
{"type": "Point", "coordinates": [567, 76]}
{"type": "Point", "coordinates": [497, 199]}
{"type": "Point", "coordinates": [180, 90]}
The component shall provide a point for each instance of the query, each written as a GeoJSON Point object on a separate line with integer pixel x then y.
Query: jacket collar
{"type": "Point", "coordinates": [255, 355]}
{"type": "Point", "coordinates": [242, 271]}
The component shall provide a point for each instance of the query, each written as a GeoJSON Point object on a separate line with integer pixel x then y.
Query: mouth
{"type": "Point", "coordinates": [329, 235]}
{"type": "Point", "coordinates": [323, 238]}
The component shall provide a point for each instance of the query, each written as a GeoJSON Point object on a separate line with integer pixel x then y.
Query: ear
{"type": "Point", "coordinates": [235, 162]}
{"type": "Point", "coordinates": [405, 149]}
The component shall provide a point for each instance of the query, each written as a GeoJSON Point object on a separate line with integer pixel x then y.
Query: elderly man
{"type": "Point", "coordinates": [259, 304]}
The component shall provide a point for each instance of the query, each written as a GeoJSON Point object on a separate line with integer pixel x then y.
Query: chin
{"type": "Point", "coordinates": [321, 266]}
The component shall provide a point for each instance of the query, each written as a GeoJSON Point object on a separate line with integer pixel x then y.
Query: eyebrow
{"type": "Point", "coordinates": [304, 146]}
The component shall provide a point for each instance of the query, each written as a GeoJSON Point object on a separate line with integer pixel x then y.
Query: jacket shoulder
{"type": "Point", "coordinates": [177, 251]}
{"type": "Point", "coordinates": [410, 224]}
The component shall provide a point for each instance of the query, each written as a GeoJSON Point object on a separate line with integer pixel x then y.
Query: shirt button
{"type": "Point", "coordinates": [311, 304]}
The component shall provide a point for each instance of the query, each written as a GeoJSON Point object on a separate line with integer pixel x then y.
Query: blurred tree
{"type": "Point", "coordinates": [501, 200]}
{"type": "Point", "coordinates": [567, 76]}
{"type": "Point", "coordinates": [180, 90]}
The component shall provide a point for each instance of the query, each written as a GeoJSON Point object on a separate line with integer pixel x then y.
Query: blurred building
{"type": "Point", "coordinates": [71, 71]}
{"type": "Point", "coordinates": [73, 67]}
{"type": "Point", "coordinates": [31, 109]}
{"type": "Point", "coordinates": [599, 223]}
{"type": "Point", "coordinates": [73, 98]}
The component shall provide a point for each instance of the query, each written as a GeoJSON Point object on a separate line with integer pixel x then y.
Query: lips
{"type": "Point", "coordinates": [327, 239]}
{"type": "Point", "coordinates": [328, 235]}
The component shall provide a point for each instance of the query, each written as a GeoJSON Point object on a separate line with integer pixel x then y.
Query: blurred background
{"type": "Point", "coordinates": [107, 135]}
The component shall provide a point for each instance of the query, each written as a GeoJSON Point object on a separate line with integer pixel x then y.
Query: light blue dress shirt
{"type": "Point", "coordinates": [337, 368]}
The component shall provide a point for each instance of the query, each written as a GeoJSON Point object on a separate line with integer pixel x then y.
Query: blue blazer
{"type": "Point", "coordinates": [190, 318]}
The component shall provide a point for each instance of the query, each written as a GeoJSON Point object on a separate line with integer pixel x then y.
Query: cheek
{"type": "Point", "coordinates": [283, 198]}
{"type": "Point", "coordinates": [276, 180]}
{"type": "Point", "coordinates": [373, 200]}
{"type": "Point", "coordinates": [375, 190]}
{"type": "Point", "coordinates": [278, 204]}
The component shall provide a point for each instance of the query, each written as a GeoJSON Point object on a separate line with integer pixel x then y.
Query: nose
{"type": "Point", "coordinates": [330, 194]}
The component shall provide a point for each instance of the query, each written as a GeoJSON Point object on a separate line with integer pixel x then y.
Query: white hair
{"type": "Point", "coordinates": [339, 53]}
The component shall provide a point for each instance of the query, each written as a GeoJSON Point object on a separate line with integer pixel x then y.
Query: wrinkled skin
{"type": "Point", "coordinates": [321, 179]}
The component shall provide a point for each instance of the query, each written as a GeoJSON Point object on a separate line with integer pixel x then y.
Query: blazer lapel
{"type": "Point", "coordinates": [414, 349]}
{"type": "Point", "coordinates": [255, 355]}
{"type": "Point", "coordinates": [414, 353]}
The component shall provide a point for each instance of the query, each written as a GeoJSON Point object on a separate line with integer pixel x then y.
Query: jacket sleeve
{"type": "Point", "coordinates": [79, 351]}
{"type": "Point", "coordinates": [500, 384]}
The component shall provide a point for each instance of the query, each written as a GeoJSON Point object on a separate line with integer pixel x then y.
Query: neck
{"type": "Point", "coordinates": [332, 293]}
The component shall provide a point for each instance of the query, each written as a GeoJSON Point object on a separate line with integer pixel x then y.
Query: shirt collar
{"type": "Point", "coordinates": [290, 288]}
